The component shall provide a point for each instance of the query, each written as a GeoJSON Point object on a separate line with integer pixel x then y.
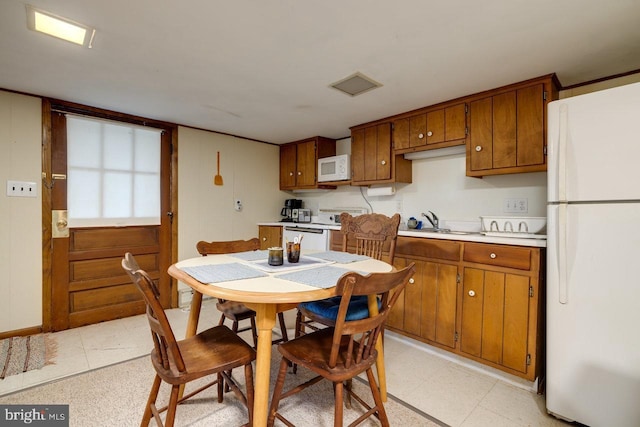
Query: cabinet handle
{"type": "Point", "coordinates": [290, 173]}
{"type": "Point", "coordinates": [478, 148]}
{"type": "Point", "coordinates": [264, 239]}
{"type": "Point", "coordinates": [299, 173]}
{"type": "Point", "coordinates": [384, 162]}
{"type": "Point", "coordinates": [493, 256]}
{"type": "Point", "coordinates": [411, 280]}
{"type": "Point", "coordinates": [420, 135]}
{"type": "Point", "coordinates": [429, 133]}
{"type": "Point", "coordinates": [472, 293]}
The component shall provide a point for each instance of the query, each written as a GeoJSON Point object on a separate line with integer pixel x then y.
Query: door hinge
{"type": "Point", "coordinates": [544, 150]}
{"type": "Point", "coordinates": [544, 95]}
{"type": "Point", "coordinates": [458, 278]}
{"type": "Point", "coordinates": [466, 130]}
{"type": "Point", "coordinates": [170, 215]}
{"type": "Point", "coordinates": [466, 108]}
{"type": "Point", "coordinates": [531, 291]}
{"type": "Point", "coordinates": [455, 337]}
{"type": "Point", "coordinates": [528, 359]}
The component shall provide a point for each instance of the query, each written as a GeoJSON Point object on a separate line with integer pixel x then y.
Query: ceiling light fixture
{"type": "Point", "coordinates": [59, 27]}
{"type": "Point", "coordinates": [356, 84]}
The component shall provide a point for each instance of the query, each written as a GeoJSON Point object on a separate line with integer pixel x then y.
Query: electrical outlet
{"type": "Point", "coordinates": [237, 205]}
{"type": "Point", "coordinates": [516, 205]}
{"type": "Point", "coordinates": [22, 189]}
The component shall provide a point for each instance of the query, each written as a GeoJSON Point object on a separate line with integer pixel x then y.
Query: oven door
{"type": "Point", "coordinates": [313, 239]}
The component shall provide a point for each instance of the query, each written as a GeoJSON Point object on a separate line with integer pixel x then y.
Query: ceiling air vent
{"type": "Point", "coordinates": [355, 84]}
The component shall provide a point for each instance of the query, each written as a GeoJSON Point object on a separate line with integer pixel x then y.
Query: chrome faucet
{"type": "Point", "coordinates": [433, 219]}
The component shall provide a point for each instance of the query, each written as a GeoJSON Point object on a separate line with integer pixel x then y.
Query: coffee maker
{"type": "Point", "coordinates": [289, 206]}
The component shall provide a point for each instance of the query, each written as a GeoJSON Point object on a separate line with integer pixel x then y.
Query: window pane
{"type": "Point", "coordinates": [146, 201]}
{"type": "Point", "coordinates": [117, 195]}
{"type": "Point", "coordinates": [85, 187]}
{"type": "Point", "coordinates": [118, 147]}
{"type": "Point", "coordinates": [147, 151]}
{"type": "Point", "coordinates": [83, 143]}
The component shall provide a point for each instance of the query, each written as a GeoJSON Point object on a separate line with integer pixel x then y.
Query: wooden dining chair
{"type": "Point", "coordinates": [343, 351]}
{"type": "Point", "coordinates": [232, 310]}
{"type": "Point", "coordinates": [374, 235]}
{"type": "Point", "coordinates": [215, 351]}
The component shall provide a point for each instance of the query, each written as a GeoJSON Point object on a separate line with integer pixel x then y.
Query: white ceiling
{"type": "Point", "coordinates": [261, 69]}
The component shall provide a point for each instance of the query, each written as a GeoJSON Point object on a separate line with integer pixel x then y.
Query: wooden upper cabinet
{"type": "Point", "coordinates": [432, 128]}
{"type": "Point", "coordinates": [507, 129]}
{"type": "Point", "coordinates": [299, 162]}
{"type": "Point", "coordinates": [372, 158]}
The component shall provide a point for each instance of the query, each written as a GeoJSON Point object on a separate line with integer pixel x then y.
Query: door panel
{"type": "Point", "coordinates": [88, 284]}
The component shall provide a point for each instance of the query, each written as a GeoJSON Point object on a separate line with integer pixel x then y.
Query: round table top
{"type": "Point", "coordinates": [268, 288]}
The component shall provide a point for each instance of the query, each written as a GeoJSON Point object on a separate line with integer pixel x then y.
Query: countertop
{"type": "Point", "coordinates": [466, 237]}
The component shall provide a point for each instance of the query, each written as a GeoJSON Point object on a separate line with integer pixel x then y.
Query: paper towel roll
{"type": "Point", "coordinates": [389, 190]}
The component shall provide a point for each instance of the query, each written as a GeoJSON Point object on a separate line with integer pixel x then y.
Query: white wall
{"type": "Point", "coordinates": [440, 185]}
{"type": "Point", "coordinates": [20, 228]}
{"type": "Point", "coordinates": [250, 172]}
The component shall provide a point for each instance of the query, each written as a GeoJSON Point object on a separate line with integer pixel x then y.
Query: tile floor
{"type": "Point", "coordinates": [453, 391]}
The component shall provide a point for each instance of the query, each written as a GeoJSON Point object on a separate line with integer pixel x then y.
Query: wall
{"type": "Point", "coordinates": [250, 172]}
{"type": "Point", "coordinates": [440, 185]}
{"type": "Point", "coordinates": [20, 228]}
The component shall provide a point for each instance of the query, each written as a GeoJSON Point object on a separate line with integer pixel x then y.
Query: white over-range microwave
{"type": "Point", "coordinates": [334, 168]}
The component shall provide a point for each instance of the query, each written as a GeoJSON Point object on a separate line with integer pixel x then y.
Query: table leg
{"type": "Point", "coordinates": [382, 377]}
{"type": "Point", "coordinates": [265, 321]}
{"type": "Point", "coordinates": [194, 314]}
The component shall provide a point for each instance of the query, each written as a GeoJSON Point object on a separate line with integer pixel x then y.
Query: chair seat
{"type": "Point", "coordinates": [313, 351]}
{"type": "Point", "coordinates": [328, 308]}
{"type": "Point", "coordinates": [214, 350]}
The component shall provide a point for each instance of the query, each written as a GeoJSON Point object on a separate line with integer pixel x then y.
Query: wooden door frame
{"type": "Point", "coordinates": [48, 105]}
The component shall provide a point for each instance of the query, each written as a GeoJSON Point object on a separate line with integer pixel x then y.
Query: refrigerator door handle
{"type": "Point", "coordinates": [563, 130]}
{"type": "Point", "coordinates": [561, 255]}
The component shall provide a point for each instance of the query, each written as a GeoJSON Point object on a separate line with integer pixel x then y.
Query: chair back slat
{"type": "Point", "coordinates": [164, 341]}
{"type": "Point", "coordinates": [361, 335]}
{"type": "Point", "coordinates": [227, 247]}
{"type": "Point", "coordinates": [372, 234]}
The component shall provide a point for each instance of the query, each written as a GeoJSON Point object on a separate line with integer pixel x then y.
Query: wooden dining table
{"type": "Point", "coordinates": [267, 295]}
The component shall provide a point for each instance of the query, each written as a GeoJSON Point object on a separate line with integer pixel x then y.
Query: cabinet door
{"type": "Point", "coordinates": [287, 166]}
{"type": "Point", "coordinates": [371, 154]}
{"type": "Point", "coordinates": [418, 130]}
{"type": "Point", "coordinates": [439, 297]}
{"type": "Point", "coordinates": [401, 134]}
{"type": "Point", "coordinates": [530, 117]}
{"type": "Point", "coordinates": [495, 317]}
{"type": "Point", "coordinates": [455, 122]}
{"type": "Point", "coordinates": [435, 127]}
{"type": "Point", "coordinates": [306, 164]}
{"type": "Point", "coordinates": [270, 236]}
{"type": "Point", "coordinates": [481, 134]}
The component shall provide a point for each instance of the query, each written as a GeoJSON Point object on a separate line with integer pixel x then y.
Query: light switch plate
{"type": "Point", "coordinates": [22, 189]}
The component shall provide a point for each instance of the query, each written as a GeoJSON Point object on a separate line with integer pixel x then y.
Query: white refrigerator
{"type": "Point", "coordinates": [593, 258]}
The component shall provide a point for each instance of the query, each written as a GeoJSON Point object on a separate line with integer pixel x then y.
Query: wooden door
{"type": "Point", "coordinates": [530, 118]}
{"type": "Point", "coordinates": [481, 134]}
{"type": "Point", "coordinates": [87, 283]}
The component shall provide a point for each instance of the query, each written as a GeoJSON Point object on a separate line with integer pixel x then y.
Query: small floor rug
{"type": "Point", "coordinates": [116, 396]}
{"type": "Point", "coordinates": [22, 354]}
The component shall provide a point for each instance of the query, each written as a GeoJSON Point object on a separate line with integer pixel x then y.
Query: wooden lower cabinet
{"type": "Point", "coordinates": [481, 301]}
{"type": "Point", "coordinates": [270, 236]}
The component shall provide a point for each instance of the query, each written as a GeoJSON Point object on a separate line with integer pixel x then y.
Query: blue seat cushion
{"type": "Point", "coordinates": [328, 308]}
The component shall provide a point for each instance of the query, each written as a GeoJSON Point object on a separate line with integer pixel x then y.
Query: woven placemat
{"type": "Point", "coordinates": [222, 272]}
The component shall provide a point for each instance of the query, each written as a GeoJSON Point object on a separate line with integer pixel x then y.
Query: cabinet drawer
{"type": "Point", "coordinates": [503, 256]}
{"type": "Point", "coordinates": [428, 248]}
